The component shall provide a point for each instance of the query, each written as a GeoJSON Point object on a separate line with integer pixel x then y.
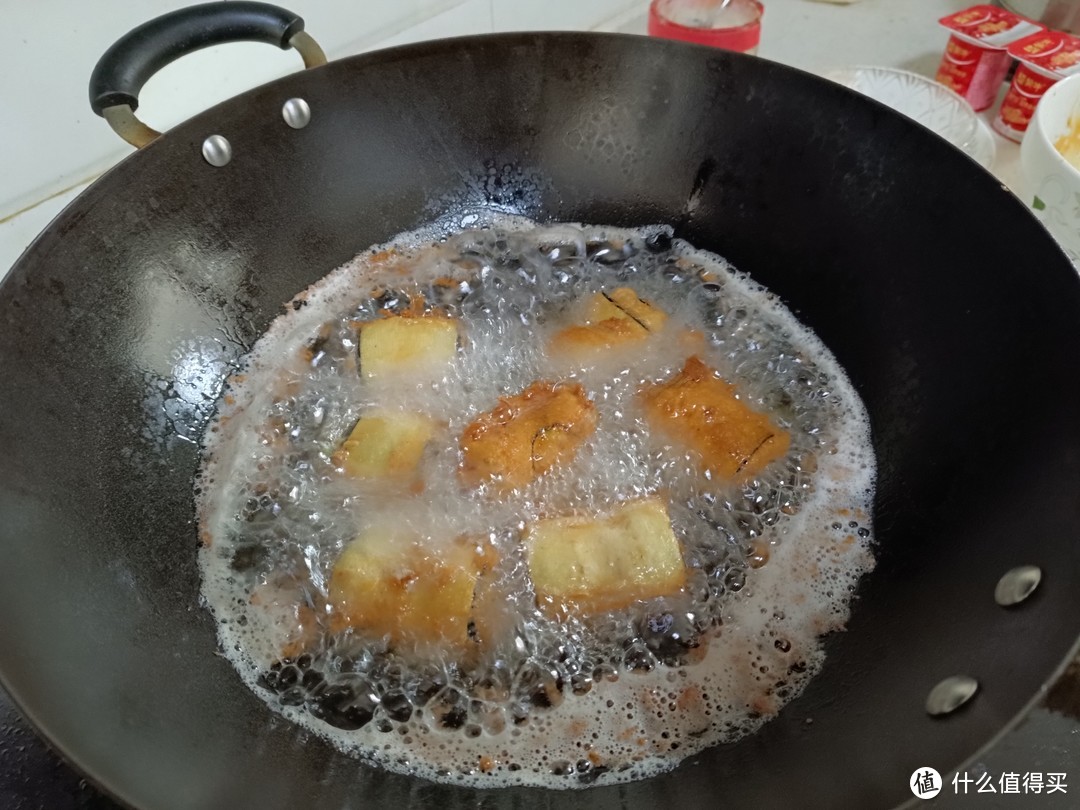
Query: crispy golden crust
{"type": "Point", "coordinates": [595, 564]}
{"type": "Point", "coordinates": [527, 434]}
{"type": "Point", "coordinates": [700, 411]}
{"type": "Point", "coordinates": [608, 320]}
{"type": "Point", "coordinates": [385, 445]}
{"type": "Point", "coordinates": [649, 317]}
{"type": "Point", "coordinates": [407, 344]}
{"type": "Point", "coordinates": [384, 584]}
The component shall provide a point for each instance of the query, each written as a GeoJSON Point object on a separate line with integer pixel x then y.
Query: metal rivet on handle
{"type": "Point", "coordinates": [217, 150]}
{"type": "Point", "coordinates": [1017, 585]}
{"type": "Point", "coordinates": [296, 112]}
{"type": "Point", "coordinates": [950, 695]}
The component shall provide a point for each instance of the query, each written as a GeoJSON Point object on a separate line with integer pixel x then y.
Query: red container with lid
{"type": "Point", "coordinates": [734, 26]}
{"type": "Point", "coordinates": [976, 57]}
{"type": "Point", "coordinates": [1045, 58]}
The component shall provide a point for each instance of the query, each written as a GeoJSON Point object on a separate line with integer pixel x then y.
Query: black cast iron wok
{"type": "Point", "coordinates": [952, 310]}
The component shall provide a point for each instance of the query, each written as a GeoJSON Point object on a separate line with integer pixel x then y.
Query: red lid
{"type": "Point", "coordinates": [989, 26]}
{"type": "Point", "coordinates": [1051, 53]}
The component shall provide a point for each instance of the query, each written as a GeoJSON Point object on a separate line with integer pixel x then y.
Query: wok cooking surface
{"type": "Point", "coordinates": [31, 775]}
{"type": "Point", "coordinates": [167, 269]}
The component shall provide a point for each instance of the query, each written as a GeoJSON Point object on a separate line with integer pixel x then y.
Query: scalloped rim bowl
{"type": "Point", "coordinates": [933, 105]}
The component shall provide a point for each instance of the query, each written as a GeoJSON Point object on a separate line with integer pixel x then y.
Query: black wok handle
{"type": "Point", "coordinates": [126, 66]}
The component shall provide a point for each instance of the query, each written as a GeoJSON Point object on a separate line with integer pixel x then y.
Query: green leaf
{"type": "Point", "coordinates": [1038, 204]}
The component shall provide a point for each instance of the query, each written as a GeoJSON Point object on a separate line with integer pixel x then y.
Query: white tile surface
{"type": "Point", "coordinates": [472, 17]}
{"type": "Point", "coordinates": [551, 15]}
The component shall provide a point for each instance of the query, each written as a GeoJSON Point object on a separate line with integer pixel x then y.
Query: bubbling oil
{"type": "Point", "coordinates": [565, 701]}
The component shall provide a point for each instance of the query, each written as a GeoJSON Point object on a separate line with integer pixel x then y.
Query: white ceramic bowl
{"type": "Point", "coordinates": [1050, 184]}
{"type": "Point", "coordinates": [933, 105]}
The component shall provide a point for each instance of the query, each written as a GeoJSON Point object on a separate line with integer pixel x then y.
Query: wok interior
{"type": "Point", "coordinates": [952, 311]}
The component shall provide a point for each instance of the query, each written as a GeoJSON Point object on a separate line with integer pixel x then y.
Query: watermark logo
{"type": "Point", "coordinates": [925, 783]}
{"type": "Point", "coordinates": [1034, 782]}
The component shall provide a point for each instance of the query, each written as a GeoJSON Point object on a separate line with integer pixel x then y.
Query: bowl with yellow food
{"type": "Point", "coordinates": [1050, 164]}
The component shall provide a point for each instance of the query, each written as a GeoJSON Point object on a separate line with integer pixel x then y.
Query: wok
{"type": "Point", "coordinates": [952, 310]}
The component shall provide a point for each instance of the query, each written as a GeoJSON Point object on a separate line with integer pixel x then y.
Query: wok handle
{"type": "Point", "coordinates": [126, 66]}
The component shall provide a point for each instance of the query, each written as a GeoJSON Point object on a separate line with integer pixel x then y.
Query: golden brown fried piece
{"type": "Point", "coordinates": [631, 306]}
{"type": "Point", "coordinates": [385, 445]}
{"type": "Point", "coordinates": [593, 565]}
{"type": "Point", "coordinates": [526, 435]}
{"type": "Point", "coordinates": [699, 410]}
{"type": "Point", "coordinates": [607, 320]}
{"type": "Point", "coordinates": [407, 344]}
{"type": "Point", "coordinates": [388, 584]}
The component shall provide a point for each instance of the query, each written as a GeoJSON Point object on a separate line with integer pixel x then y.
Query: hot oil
{"type": "Point", "coordinates": [555, 701]}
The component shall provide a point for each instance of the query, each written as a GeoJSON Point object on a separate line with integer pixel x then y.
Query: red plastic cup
{"type": "Point", "coordinates": [974, 72]}
{"type": "Point", "coordinates": [1018, 106]}
{"type": "Point", "coordinates": [743, 36]}
{"type": "Point", "coordinates": [1045, 58]}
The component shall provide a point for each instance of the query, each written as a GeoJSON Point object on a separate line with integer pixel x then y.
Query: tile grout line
{"type": "Point", "coordinates": [85, 181]}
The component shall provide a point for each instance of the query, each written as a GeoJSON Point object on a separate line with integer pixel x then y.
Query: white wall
{"type": "Point", "coordinates": [51, 140]}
